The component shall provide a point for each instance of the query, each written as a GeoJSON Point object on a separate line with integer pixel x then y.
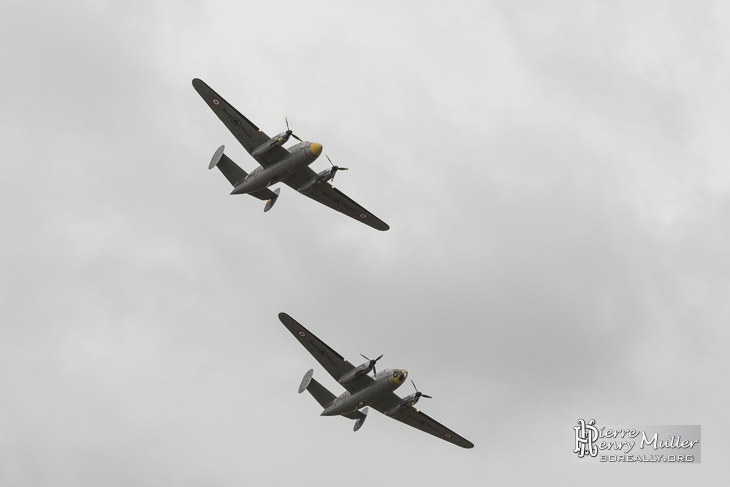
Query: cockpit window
{"type": "Point", "coordinates": [399, 375]}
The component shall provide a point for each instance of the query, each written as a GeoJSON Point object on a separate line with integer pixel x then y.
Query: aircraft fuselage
{"type": "Point", "coordinates": [387, 381]}
{"type": "Point", "coordinates": [300, 156]}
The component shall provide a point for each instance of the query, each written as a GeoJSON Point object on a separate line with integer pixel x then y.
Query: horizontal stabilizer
{"type": "Point", "coordinates": [361, 419]}
{"type": "Point", "coordinates": [230, 169]}
{"type": "Point", "coordinates": [265, 194]}
{"type": "Point", "coordinates": [320, 393]}
{"type": "Point", "coordinates": [272, 200]}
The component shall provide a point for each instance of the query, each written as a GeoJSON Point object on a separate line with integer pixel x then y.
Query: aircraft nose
{"type": "Point", "coordinates": [316, 148]}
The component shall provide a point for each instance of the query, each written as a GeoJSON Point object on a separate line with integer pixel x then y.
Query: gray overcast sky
{"type": "Point", "coordinates": [556, 181]}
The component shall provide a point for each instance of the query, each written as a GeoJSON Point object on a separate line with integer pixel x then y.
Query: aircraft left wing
{"type": "Point", "coordinates": [419, 420]}
{"type": "Point", "coordinates": [333, 362]}
{"type": "Point", "coordinates": [243, 129]}
{"type": "Point", "coordinates": [330, 196]}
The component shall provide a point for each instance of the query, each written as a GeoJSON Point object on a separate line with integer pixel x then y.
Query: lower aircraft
{"type": "Point", "coordinates": [277, 164]}
{"type": "Point", "coordinates": [363, 390]}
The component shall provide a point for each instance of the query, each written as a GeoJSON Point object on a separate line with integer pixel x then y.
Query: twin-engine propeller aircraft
{"type": "Point", "coordinates": [363, 390]}
{"type": "Point", "coordinates": [278, 164]}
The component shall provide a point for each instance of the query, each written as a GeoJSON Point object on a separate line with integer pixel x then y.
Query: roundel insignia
{"type": "Point", "coordinates": [448, 435]}
{"type": "Point", "coordinates": [216, 102]}
{"type": "Point", "coordinates": [301, 333]}
{"type": "Point", "coordinates": [323, 352]}
{"type": "Point", "coordinates": [363, 215]}
{"type": "Point", "coordinates": [235, 122]}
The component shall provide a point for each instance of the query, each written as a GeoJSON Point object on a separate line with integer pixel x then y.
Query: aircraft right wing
{"type": "Point", "coordinates": [333, 362]}
{"type": "Point", "coordinates": [419, 420]}
{"type": "Point", "coordinates": [330, 196]}
{"type": "Point", "coordinates": [243, 129]}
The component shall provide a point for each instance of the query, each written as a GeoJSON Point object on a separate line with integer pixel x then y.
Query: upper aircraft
{"type": "Point", "coordinates": [278, 164]}
{"type": "Point", "coordinates": [363, 390]}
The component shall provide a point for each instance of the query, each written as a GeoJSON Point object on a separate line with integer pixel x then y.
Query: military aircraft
{"type": "Point", "coordinates": [278, 164]}
{"type": "Point", "coordinates": [364, 390]}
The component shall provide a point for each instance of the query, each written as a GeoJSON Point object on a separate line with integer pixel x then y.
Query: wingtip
{"type": "Point", "coordinates": [380, 226]}
{"type": "Point", "coordinates": [199, 84]}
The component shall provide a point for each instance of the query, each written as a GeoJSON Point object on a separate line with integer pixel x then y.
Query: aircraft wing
{"type": "Point", "coordinates": [419, 420]}
{"type": "Point", "coordinates": [333, 362]}
{"type": "Point", "coordinates": [335, 199]}
{"type": "Point", "coordinates": [243, 129]}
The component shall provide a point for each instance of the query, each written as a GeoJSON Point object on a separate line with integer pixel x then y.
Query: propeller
{"type": "Point", "coordinates": [419, 394]}
{"type": "Point", "coordinates": [289, 132]}
{"type": "Point", "coordinates": [372, 363]}
{"type": "Point", "coordinates": [334, 171]}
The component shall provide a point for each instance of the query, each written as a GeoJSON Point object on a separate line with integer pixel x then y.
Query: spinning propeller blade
{"type": "Point", "coordinates": [371, 366]}
{"type": "Point", "coordinates": [419, 393]}
{"type": "Point", "coordinates": [289, 132]}
{"type": "Point", "coordinates": [335, 169]}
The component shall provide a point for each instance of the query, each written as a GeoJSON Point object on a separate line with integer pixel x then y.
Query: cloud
{"type": "Point", "coordinates": [555, 182]}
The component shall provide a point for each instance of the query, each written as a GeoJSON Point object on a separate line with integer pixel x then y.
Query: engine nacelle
{"type": "Point", "coordinates": [405, 402]}
{"type": "Point", "coordinates": [320, 178]}
{"type": "Point", "coordinates": [277, 141]}
{"type": "Point", "coordinates": [355, 373]}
